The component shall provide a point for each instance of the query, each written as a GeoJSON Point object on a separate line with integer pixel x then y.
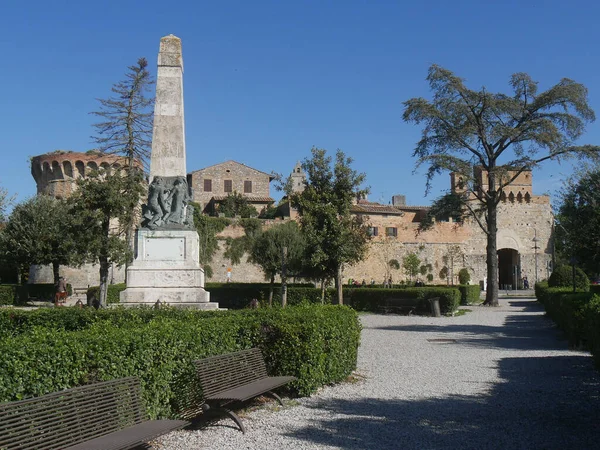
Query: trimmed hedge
{"type": "Point", "coordinates": [70, 347]}
{"type": "Point", "coordinates": [9, 294]}
{"type": "Point", "coordinates": [562, 276]}
{"type": "Point", "coordinates": [19, 294]}
{"type": "Point", "coordinates": [362, 299]}
{"type": "Point", "coordinates": [469, 294]}
{"type": "Point", "coordinates": [568, 310]}
{"type": "Point", "coordinates": [228, 295]}
{"type": "Point", "coordinates": [112, 294]}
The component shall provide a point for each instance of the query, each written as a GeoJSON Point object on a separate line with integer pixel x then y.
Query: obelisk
{"type": "Point", "coordinates": [168, 135]}
{"type": "Point", "coordinates": [166, 267]}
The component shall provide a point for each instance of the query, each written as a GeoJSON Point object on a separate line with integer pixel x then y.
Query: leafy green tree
{"type": "Point", "coordinates": [453, 255]}
{"type": "Point", "coordinates": [208, 228]}
{"type": "Point", "coordinates": [38, 231]}
{"type": "Point", "coordinates": [334, 237]}
{"type": "Point", "coordinates": [464, 276]}
{"type": "Point", "coordinates": [236, 204]}
{"type": "Point", "coordinates": [279, 251]}
{"type": "Point", "coordinates": [578, 220]}
{"type": "Point", "coordinates": [502, 134]}
{"type": "Point", "coordinates": [126, 127]}
{"type": "Point", "coordinates": [102, 204]}
{"type": "Point", "coordinates": [5, 201]}
{"type": "Point", "coordinates": [411, 264]}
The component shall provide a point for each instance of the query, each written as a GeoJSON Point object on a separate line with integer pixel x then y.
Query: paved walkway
{"type": "Point", "coordinates": [500, 378]}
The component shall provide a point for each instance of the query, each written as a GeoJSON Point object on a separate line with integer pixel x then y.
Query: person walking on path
{"type": "Point", "coordinates": [61, 292]}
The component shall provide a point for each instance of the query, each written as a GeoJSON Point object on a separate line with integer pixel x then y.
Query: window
{"type": "Point", "coordinates": [391, 231]}
{"type": "Point", "coordinates": [207, 185]}
{"type": "Point", "coordinates": [373, 231]}
{"type": "Point", "coordinates": [227, 186]}
{"type": "Point", "coordinates": [247, 187]}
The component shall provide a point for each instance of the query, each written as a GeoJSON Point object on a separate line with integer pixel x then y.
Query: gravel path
{"type": "Point", "coordinates": [499, 378]}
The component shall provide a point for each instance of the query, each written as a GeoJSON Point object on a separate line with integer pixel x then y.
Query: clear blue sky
{"type": "Point", "coordinates": [266, 80]}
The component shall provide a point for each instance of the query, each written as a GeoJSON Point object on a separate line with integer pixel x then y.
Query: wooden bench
{"type": "Point", "coordinates": [235, 377]}
{"type": "Point", "coordinates": [102, 416]}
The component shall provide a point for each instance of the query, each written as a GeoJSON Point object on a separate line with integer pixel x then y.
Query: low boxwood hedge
{"type": "Point", "coordinates": [567, 309]}
{"type": "Point", "coordinates": [112, 294]}
{"type": "Point", "coordinates": [8, 294]}
{"type": "Point", "coordinates": [19, 294]}
{"type": "Point", "coordinates": [317, 344]}
{"type": "Point", "coordinates": [362, 299]}
{"type": "Point", "coordinates": [469, 294]}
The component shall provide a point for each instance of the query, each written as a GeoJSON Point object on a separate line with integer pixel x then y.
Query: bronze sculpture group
{"type": "Point", "coordinates": [168, 204]}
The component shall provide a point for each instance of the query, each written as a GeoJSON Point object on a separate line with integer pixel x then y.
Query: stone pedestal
{"type": "Point", "coordinates": [166, 268]}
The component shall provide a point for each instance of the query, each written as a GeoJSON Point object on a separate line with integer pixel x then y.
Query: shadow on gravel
{"type": "Point", "coordinates": [549, 403]}
{"type": "Point", "coordinates": [519, 332]}
{"type": "Point", "coordinates": [527, 305]}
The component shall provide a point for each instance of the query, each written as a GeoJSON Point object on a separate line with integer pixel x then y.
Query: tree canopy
{"type": "Point", "coordinates": [39, 231]}
{"type": "Point", "coordinates": [334, 237]}
{"type": "Point", "coordinates": [499, 134]}
{"type": "Point", "coordinates": [411, 264]}
{"type": "Point", "coordinates": [103, 205]}
{"type": "Point", "coordinates": [578, 222]}
{"type": "Point", "coordinates": [279, 251]}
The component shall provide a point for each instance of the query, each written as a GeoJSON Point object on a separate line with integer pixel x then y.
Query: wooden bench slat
{"type": "Point", "coordinates": [246, 392]}
{"type": "Point", "coordinates": [237, 376]}
{"type": "Point", "coordinates": [131, 437]}
{"type": "Point", "coordinates": [73, 416]}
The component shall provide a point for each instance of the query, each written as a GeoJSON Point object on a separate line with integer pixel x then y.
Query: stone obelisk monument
{"type": "Point", "coordinates": [166, 266]}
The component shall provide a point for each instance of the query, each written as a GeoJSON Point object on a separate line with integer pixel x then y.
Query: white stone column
{"type": "Point", "coordinates": [168, 135]}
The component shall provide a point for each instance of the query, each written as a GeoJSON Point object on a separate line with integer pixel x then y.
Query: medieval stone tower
{"type": "Point", "coordinates": [56, 174]}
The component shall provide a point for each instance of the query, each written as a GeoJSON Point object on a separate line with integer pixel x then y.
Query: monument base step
{"type": "Point", "coordinates": [174, 296]}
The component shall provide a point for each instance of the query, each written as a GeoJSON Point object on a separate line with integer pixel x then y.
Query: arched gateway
{"type": "Point", "coordinates": [509, 268]}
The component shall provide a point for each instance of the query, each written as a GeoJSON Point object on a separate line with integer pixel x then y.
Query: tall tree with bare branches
{"type": "Point", "coordinates": [126, 126]}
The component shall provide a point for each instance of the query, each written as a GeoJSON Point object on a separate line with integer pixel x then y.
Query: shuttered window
{"type": "Point", "coordinates": [247, 187]}
{"type": "Point", "coordinates": [391, 231]}
{"type": "Point", "coordinates": [207, 185]}
{"type": "Point", "coordinates": [228, 186]}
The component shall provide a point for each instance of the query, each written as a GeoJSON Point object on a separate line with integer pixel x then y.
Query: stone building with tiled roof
{"type": "Point", "coordinates": [211, 185]}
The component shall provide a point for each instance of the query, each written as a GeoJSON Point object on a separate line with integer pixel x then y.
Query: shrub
{"type": "Point", "coordinates": [469, 293]}
{"type": "Point", "coordinates": [239, 295]}
{"type": "Point", "coordinates": [595, 288]}
{"type": "Point", "coordinates": [563, 277]}
{"type": "Point", "coordinates": [463, 276]}
{"type": "Point", "coordinates": [112, 294]}
{"type": "Point", "coordinates": [8, 294]}
{"type": "Point", "coordinates": [373, 299]}
{"type": "Point", "coordinates": [317, 344]}
{"type": "Point", "coordinates": [566, 309]}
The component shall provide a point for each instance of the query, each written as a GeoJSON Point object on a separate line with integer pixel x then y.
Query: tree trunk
{"type": "Point", "coordinates": [283, 291]}
{"type": "Point", "coordinates": [129, 239]}
{"type": "Point", "coordinates": [103, 282]}
{"type": "Point", "coordinates": [339, 285]}
{"type": "Point", "coordinates": [271, 290]}
{"type": "Point", "coordinates": [322, 291]}
{"type": "Point", "coordinates": [491, 295]}
{"type": "Point", "coordinates": [284, 277]}
{"type": "Point", "coordinates": [55, 272]}
{"type": "Point", "coordinates": [104, 265]}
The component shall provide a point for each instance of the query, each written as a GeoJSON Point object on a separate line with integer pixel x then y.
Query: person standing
{"type": "Point", "coordinates": [61, 291]}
